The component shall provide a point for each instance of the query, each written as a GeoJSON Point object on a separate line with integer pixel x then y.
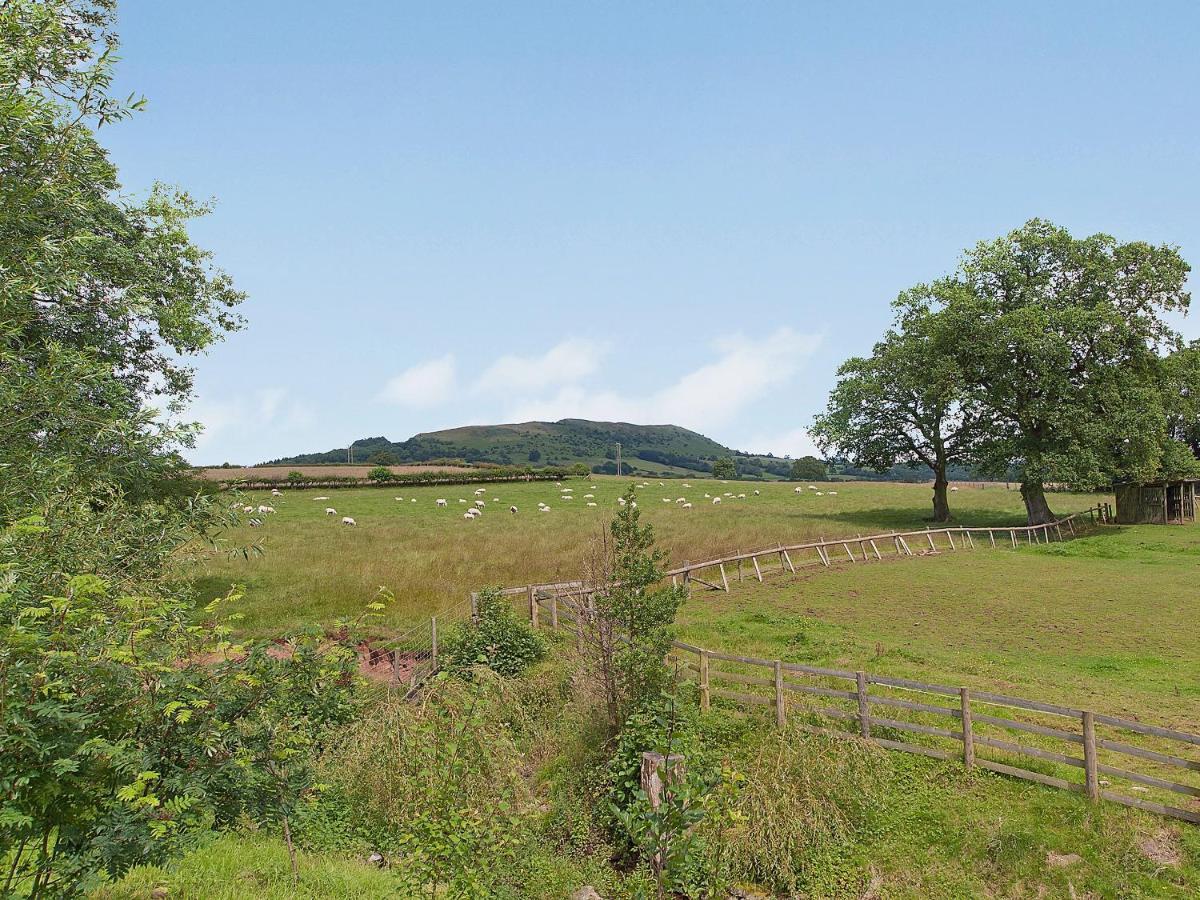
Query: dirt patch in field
{"type": "Point", "coordinates": [254, 473]}
{"type": "Point", "coordinates": [375, 662]}
{"type": "Point", "coordinates": [1162, 849]}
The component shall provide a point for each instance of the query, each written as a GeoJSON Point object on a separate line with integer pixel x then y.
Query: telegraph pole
{"type": "Point", "coordinates": [618, 459]}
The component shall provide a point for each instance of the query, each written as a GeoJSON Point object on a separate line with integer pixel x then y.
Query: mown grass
{"type": "Point", "coordinates": [313, 569]}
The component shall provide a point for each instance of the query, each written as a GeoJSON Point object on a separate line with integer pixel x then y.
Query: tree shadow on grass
{"type": "Point", "coordinates": [902, 518]}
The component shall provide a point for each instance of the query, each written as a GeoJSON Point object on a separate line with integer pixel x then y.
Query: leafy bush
{"type": "Point", "coordinates": [496, 638]}
{"type": "Point", "coordinates": [380, 474]}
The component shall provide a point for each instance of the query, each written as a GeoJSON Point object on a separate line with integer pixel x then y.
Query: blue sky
{"type": "Point", "coordinates": [450, 214]}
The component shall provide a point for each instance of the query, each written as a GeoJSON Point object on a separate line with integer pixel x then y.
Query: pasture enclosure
{"type": "Point", "coordinates": [311, 570]}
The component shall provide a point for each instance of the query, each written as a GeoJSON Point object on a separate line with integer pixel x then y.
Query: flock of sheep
{"type": "Point", "coordinates": [566, 494]}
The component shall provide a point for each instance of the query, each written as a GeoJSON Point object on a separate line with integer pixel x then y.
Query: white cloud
{"type": "Point", "coordinates": [708, 397]}
{"type": "Point", "coordinates": [426, 384]}
{"type": "Point", "coordinates": [794, 443]}
{"type": "Point", "coordinates": [266, 408]}
{"type": "Point", "coordinates": [564, 363]}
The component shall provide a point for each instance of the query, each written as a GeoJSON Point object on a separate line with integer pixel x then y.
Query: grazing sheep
{"type": "Point", "coordinates": [320, 498]}
{"type": "Point", "coordinates": [812, 487]}
{"type": "Point", "coordinates": [741, 496]}
{"type": "Point", "coordinates": [756, 493]}
{"type": "Point", "coordinates": [687, 485]}
{"type": "Point", "coordinates": [247, 509]}
{"type": "Point", "coordinates": [832, 493]}
{"type": "Point", "coordinates": [591, 504]}
{"type": "Point", "coordinates": [413, 500]}
{"type": "Point", "coordinates": [513, 510]}
{"type": "Point", "coordinates": [634, 504]}
{"type": "Point", "coordinates": [706, 495]}
{"type": "Point", "coordinates": [461, 500]}
{"type": "Point", "coordinates": [820, 493]}
{"type": "Point", "coordinates": [346, 520]}
{"type": "Point", "coordinates": [686, 506]}
{"type": "Point", "coordinates": [330, 511]}
{"type": "Point", "coordinates": [588, 496]}
{"type": "Point", "coordinates": [566, 497]}
{"type": "Point", "coordinates": [474, 512]}
{"type": "Point", "coordinates": [558, 484]}
{"type": "Point", "coordinates": [543, 509]}
{"type": "Point", "coordinates": [568, 490]}
{"type": "Point", "coordinates": [266, 509]}
{"type": "Point", "coordinates": [728, 493]}
{"type": "Point", "coordinates": [275, 493]}
{"type": "Point", "coordinates": [495, 499]}
{"type": "Point", "coordinates": [621, 500]}
{"type": "Point", "coordinates": [480, 491]}
{"type": "Point", "coordinates": [593, 487]}
{"type": "Point", "coordinates": [441, 502]}
{"type": "Point", "coordinates": [467, 515]}
{"type": "Point", "coordinates": [400, 499]}
{"type": "Point", "coordinates": [480, 504]}
{"type": "Point", "coordinates": [716, 500]}
{"type": "Point", "coordinates": [681, 499]}
{"type": "Point", "coordinates": [666, 499]}
{"type": "Point", "coordinates": [954, 489]}
{"type": "Point", "coordinates": [798, 490]}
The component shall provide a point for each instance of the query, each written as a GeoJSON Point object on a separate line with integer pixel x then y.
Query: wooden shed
{"type": "Point", "coordinates": [1171, 502]}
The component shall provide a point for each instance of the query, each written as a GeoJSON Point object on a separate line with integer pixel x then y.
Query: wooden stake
{"type": "Point", "coordinates": [474, 605]}
{"type": "Point", "coordinates": [705, 700]}
{"type": "Point", "coordinates": [1089, 756]}
{"type": "Point", "coordinates": [876, 549]}
{"type": "Point", "coordinates": [780, 711]}
{"type": "Point", "coordinates": [849, 553]}
{"type": "Point", "coordinates": [864, 712]}
{"type": "Point", "coordinates": [992, 538]}
{"type": "Point", "coordinates": [724, 580]}
{"type": "Point", "coordinates": [554, 611]}
{"type": "Point", "coordinates": [788, 560]}
{"type": "Point", "coordinates": [739, 556]}
{"type": "Point", "coordinates": [757, 570]}
{"type": "Point", "coordinates": [1013, 534]}
{"type": "Point", "coordinates": [950, 538]}
{"type": "Point", "coordinates": [533, 606]}
{"type": "Point", "coordinates": [964, 696]}
{"type": "Point", "coordinates": [929, 534]}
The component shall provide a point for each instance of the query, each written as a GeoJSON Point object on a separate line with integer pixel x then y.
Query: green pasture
{"type": "Point", "coordinates": [313, 568]}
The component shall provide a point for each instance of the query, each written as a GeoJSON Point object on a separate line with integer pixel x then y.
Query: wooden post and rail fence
{"type": "Point", "coordinates": [986, 730]}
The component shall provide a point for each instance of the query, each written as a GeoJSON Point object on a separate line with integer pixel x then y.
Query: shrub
{"type": "Point", "coordinates": [295, 477]}
{"type": "Point", "coordinates": [380, 474]}
{"type": "Point", "coordinates": [496, 639]}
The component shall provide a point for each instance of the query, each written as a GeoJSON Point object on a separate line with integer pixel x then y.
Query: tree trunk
{"type": "Point", "coordinates": [1036, 508]}
{"type": "Point", "coordinates": [941, 503]}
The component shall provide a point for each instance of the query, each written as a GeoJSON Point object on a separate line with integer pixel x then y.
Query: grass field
{"type": "Point", "coordinates": [315, 569]}
{"type": "Point", "coordinates": [254, 473]}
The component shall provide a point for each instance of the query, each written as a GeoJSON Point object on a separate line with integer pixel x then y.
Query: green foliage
{"type": "Point", "coordinates": [295, 477]}
{"type": "Point", "coordinates": [724, 468]}
{"type": "Point", "coordinates": [1057, 338]}
{"type": "Point", "coordinates": [380, 474]}
{"type": "Point", "coordinates": [809, 468]}
{"type": "Point", "coordinates": [628, 623]}
{"type": "Point", "coordinates": [496, 638]}
{"type": "Point", "coordinates": [436, 787]}
{"type": "Point", "coordinates": [535, 455]}
{"type": "Point", "coordinates": [383, 458]}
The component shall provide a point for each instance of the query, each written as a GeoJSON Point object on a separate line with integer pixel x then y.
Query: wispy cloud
{"type": "Point", "coordinates": [564, 363]}
{"type": "Point", "coordinates": [429, 383]}
{"type": "Point", "coordinates": [266, 408]}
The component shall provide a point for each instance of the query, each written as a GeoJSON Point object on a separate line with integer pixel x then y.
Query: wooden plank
{"type": "Point", "coordinates": [849, 553]}
{"type": "Point", "coordinates": [907, 549]}
{"type": "Point", "coordinates": [738, 677]}
{"type": "Point", "coordinates": [1025, 750]}
{"type": "Point", "coordinates": [876, 549]}
{"type": "Point", "coordinates": [788, 560]}
{"type": "Point", "coordinates": [912, 748]}
{"type": "Point", "coordinates": [864, 711]}
{"type": "Point", "coordinates": [817, 670]}
{"type": "Point", "coordinates": [1164, 758]}
{"type": "Point", "coordinates": [740, 698]}
{"type": "Point", "coordinates": [1150, 780]}
{"type": "Point", "coordinates": [685, 646]}
{"type": "Point", "coordinates": [1048, 780]}
{"type": "Point", "coordinates": [1089, 755]}
{"type": "Point", "coordinates": [780, 703]}
{"type": "Point", "coordinates": [1151, 806]}
{"type": "Point", "coordinates": [706, 583]}
{"type": "Point", "coordinates": [747, 660]}
{"type": "Point", "coordinates": [913, 705]}
{"type": "Point", "coordinates": [757, 570]}
{"type": "Point", "coordinates": [724, 580]}
{"type": "Point", "coordinates": [967, 725]}
{"type": "Point", "coordinates": [913, 685]}
{"type": "Point", "coordinates": [819, 691]}
{"type": "Point", "coordinates": [1153, 730]}
{"type": "Point", "coordinates": [1018, 703]}
{"type": "Point", "coordinates": [705, 700]}
{"type": "Point", "coordinates": [916, 728]}
{"type": "Point", "coordinates": [1029, 727]}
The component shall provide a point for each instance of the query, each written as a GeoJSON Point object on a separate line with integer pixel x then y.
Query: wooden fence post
{"type": "Point", "coordinates": [964, 697]}
{"type": "Point", "coordinates": [474, 605]}
{"type": "Point", "coordinates": [929, 534]}
{"type": "Point", "coordinates": [739, 556]}
{"type": "Point", "coordinates": [533, 606]}
{"type": "Point", "coordinates": [864, 712]}
{"type": "Point", "coordinates": [705, 698]}
{"type": "Point", "coordinates": [780, 711]}
{"type": "Point", "coordinates": [950, 538]}
{"type": "Point", "coordinates": [657, 772]}
{"type": "Point", "coordinates": [724, 580]}
{"type": "Point", "coordinates": [1089, 756]}
{"type": "Point", "coordinates": [554, 611]}
{"type": "Point", "coordinates": [433, 643]}
{"type": "Point", "coordinates": [757, 570]}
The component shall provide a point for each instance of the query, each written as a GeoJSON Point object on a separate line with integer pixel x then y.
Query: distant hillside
{"type": "Point", "coordinates": [645, 449]}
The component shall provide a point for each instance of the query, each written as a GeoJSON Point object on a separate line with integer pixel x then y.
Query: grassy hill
{"type": "Point", "coordinates": [645, 449]}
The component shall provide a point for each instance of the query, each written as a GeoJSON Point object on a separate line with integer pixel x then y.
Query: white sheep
{"type": "Point", "coordinates": [543, 509]}
{"type": "Point", "coordinates": [729, 493]}
{"type": "Point", "coordinates": [566, 497]}
{"type": "Point", "coordinates": [275, 493]}
{"type": "Point", "coordinates": [716, 500]}
{"type": "Point", "coordinates": [798, 490]}
{"type": "Point", "coordinates": [686, 506]}
{"type": "Point", "coordinates": [558, 484]}
{"type": "Point", "coordinates": [330, 511]}
{"type": "Point", "coordinates": [741, 496]}
{"type": "Point", "coordinates": [461, 500]}
{"type": "Point", "coordinates": [320, 498]}
{"type": "Point", "coordinates": [480, 491]}
{"type": "Point", "coordinates": [473, 513]}
{"type": "Point", "coordinates": [812, 487]}
{"type": "Point", "coordinates": [820, 493]}
{"type": "Point", "coordinates": [621, 500]}
{"type": "Point", "coordinates": [346, 520]}
{"type": "Point", "coordinates": [589, 496]}
{"type": "Point", "coordinates": [413, 500]}
{"type": "Point", "coordinates": [666, 499]}
{"type": "Point", "coordinates": [266, 509]}
{"type": "Point", "coordinates": [480, 504]}
{"type": "Point", "coordinates": [568, 490]}
{"type": "Point", "coordinates": [247, 509]}
{"type": "Point", "coordinates": [954, 489]}
{"type": "Point", "coordinates": [495, 499]}
{"type": "Point", "coordinates": [634, 504]}
{"type": "Point", "coordinates": [832, 493]}
{"type": "Point", "coordinates": [756, 493]}
{"type": "Point", "coordinates": [513, 510]}
{"type": "Point", "coordinates": [401, 499]}
{"type": "Point", "coordinates": [706, 495]}
{"type": "Point", "coordinates": [687, 485]}
{"type": "Point", "coordinates": [681, 499]}
{"type": "Point", "coordinates": [441, 501]}
{"type": "Point", "coordinates": [591, 504]}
